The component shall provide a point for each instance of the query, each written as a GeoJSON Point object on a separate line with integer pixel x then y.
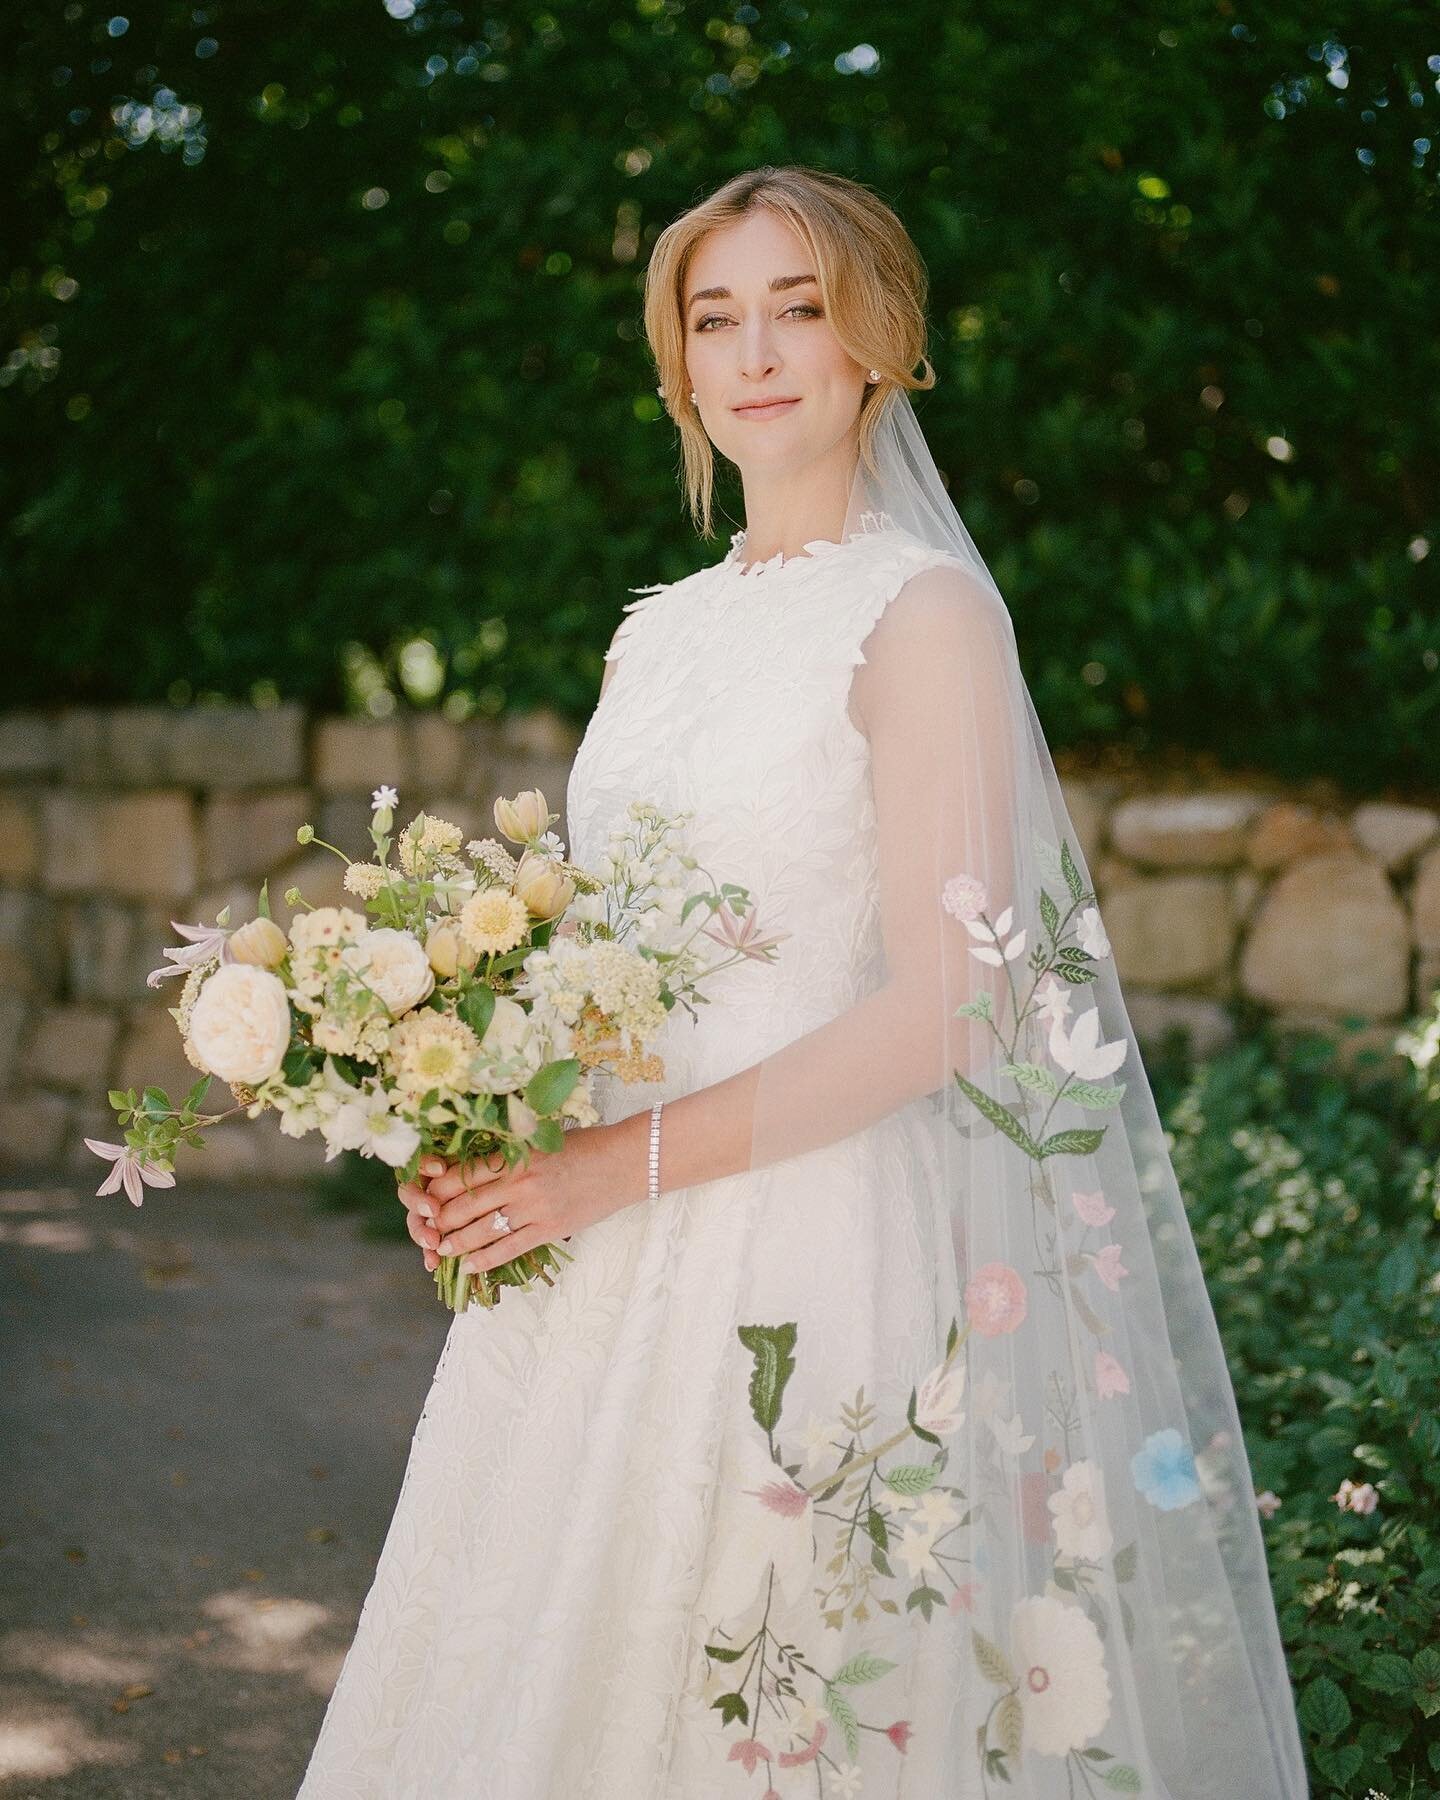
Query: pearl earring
{"type": "Point", "coordinates": [874, 374]}
{"type": "Point", "coordinates": [692, 393]}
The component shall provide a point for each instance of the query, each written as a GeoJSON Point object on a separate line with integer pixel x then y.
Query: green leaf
{"type": "Point", "coordinates": [1010, 1725]}
{"type": "Point", "coordinates": [154, 1101]}
{"type": "Point", "coordinates": [999, 1116]}
{"type": "Point", "coordinates": [992, 1661]}
{"type": "Point", "coordinates": [862, 1667]}
{"type": "Point", "coordinates": [1071, 1143]}
{"type": "Point", "coordinates": [299, 1065]}
{"type": "Point", "coordinates": [1122, 1778]}
{"type": "Point", "coordinates": [549, 1136]}
{"type": "Point", "coordinates": [723, 1655]}
{"type": "Point", "coordinates": [264, 903]}
{"type": "Point", "coordinates": [552, 1083]}
{"type": "Point", "coordinates": [980, 1008]}
{"type": "Point", "coordinates": [1127, 1559]}
{"type": "Point", "coordinates": [1323, 1709]}
{"type": "Point", "coordinates": [1071, 873]}
{"type": "Point", "coordinates": [1094, 1095]}
{"type": "Point", "coordinates": [910, 1478]}
{"type": "Point", "coordinates": [1049, 913]}
{"type": "Point", "coordinates": [732, 1706]}
{"type": "Point", "coordinates": [843, 1713]}
{"type": "Point", "coordinates": [1033, 1077]}
{"type": "Point", "coordinates": [875, 1528]}
{"type": "Point", "coordinates": [477, 1007]}
{"type": "Point", "coordinates": [121, 1102]}
{"type": "Point", "coordinates": [1388, 1673]}
{"type": "Point", "coordinates": [1340, 1764]}
{"type": "Point", "coordinates": [772, 1346]}
{"type": "Point", "coordinates": [197, 1094]}
{"type": "Point", "coordinates": [1075, 973]}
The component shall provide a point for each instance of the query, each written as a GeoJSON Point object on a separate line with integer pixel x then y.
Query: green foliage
{"type": "Point", "coordinates": [331, 385]}
{"type": "Point", "coordinates": [1314, 1202]}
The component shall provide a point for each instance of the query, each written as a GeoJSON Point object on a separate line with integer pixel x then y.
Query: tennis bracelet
{"type": "Point", "coordinates": [653, 1192]}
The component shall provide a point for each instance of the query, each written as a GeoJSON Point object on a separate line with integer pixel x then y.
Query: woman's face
{"type": "Point", "coordinates": [756, 331]}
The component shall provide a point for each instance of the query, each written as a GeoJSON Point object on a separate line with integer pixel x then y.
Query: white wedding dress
{"type": "Point", "coordinates": [585, 1508]}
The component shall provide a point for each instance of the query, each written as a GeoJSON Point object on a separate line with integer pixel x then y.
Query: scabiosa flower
{"type": "Point", "coordinates": [494, 921]}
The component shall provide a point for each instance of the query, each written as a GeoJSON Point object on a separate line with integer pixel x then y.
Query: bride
{"type": "Point", "coordinates": [878, 1441]}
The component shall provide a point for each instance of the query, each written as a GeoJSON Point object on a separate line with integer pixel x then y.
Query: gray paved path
{"type": "Point", "coordinates": [205, 1408]}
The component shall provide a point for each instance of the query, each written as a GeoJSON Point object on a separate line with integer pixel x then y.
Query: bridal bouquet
{"type": "Point", "coordinates": [463, 1007]}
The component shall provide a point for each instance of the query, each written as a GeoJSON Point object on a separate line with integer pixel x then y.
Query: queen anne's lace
{"type": "Point", "coordinates": [572, 1527]}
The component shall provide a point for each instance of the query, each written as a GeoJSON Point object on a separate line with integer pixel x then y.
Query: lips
{"type": "Point", "coordinates": [761, 407]}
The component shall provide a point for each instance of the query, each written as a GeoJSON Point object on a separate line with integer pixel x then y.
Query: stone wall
{"type": "Point", "coordinates": [114, 822]}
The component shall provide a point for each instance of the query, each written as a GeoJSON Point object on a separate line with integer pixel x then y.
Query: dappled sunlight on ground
{"type": "Point", "coordinates": [39, 1742]}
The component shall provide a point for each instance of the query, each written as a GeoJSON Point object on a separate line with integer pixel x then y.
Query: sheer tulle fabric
{"type": "Point", "coordinates": [1079, 1474]}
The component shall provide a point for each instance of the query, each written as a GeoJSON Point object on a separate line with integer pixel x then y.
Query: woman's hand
{"type": "Point", "coordinates": [597, 1171]}
{"type": "Point", "coordinates": [420, 1208]}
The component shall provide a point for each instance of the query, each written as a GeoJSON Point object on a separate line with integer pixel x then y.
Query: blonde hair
{"type": "Point", "coordinates": [872, 281]}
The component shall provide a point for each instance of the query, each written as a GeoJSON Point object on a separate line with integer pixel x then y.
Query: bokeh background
{"type": "Point", "coordinates": [329, 451]}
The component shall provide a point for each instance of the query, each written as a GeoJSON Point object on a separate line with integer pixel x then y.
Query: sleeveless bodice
{"type": "Point", "coordinates": [731, 703]}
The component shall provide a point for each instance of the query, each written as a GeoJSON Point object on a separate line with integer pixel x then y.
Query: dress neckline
{"type": "Point", "coordinates": [813, 551]}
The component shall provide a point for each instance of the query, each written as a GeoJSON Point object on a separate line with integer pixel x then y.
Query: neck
{"type": "Point", "coordinates": [785, 512]}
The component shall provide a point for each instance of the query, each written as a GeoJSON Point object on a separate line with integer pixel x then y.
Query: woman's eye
{"type": "Point", "coordinates": [806, 309]}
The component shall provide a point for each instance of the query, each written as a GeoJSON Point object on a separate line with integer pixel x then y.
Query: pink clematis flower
{"type": "Point", "coordinates": [740, 937]}
{"type": "Point", "coordinates": [203, 942]}
{"type": "Point", "coordinates": [129, 1168]}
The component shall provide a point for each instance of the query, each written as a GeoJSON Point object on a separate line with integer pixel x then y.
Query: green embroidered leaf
{"type": "Point", "coordinates": [999, 1116]}
{"type": "Point", "coordinates": [976, 1009]}
{"type": "Point", "coordinates": [865, 1666]}
{"type": "Point", "coordinates": [1096, 1754]}
{"type": "Point", "coordinates": [1127, 1559]}
{"type": "Point", "coordinates": [772, 1347]}
{"type": "Point", "coordinates": [1073, 953]}
{"type": "Point", "coordinates": [915, 1425]}
{"type": "Point", "coordinates": [1070, 1143]}
{"type": "Point", "coordinates": [843, 1713]}
{"type": "Point", "coordinates": [1323, 1708]}
{"type": "Point", "coordinates": [1009, 1724]}
{"type": "Point", "coordinates": [992, 1661]}
{"type": "Point", "coordinates": [1123, 1779]}
{"type": "Point", "coordinates": [1049, 913]}
{"type": "Point", "coordinates": [1031, 1076]}
{"type": "Point", "coordinates": [1071, 873]}
{"type": "Point", "coordinates": [1075, 973]}
{"type": "Point", "coordinates": [1094, 1095]}
{"type": "Point", "coordinates": [732, 1706]}
{"type": "Point", "coordinates": [926, 1598]}
{"type": "Point", "coordinates": [721, 1654]}
{"type": "Point", "coordinates": [951, 1336]}
{"type": "Point", "coordinates": [875, 1526]}
{"type": "Point", "coordinates": [880, 1562]}
{"type": "Point", "coordinates": [550, 1086]}
{"type": "Point", "coordinates": [911, 1478]}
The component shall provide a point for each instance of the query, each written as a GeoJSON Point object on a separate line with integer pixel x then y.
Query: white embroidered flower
{"type": "Point", "coordinates": [1052, 998]}
{"type": "Point", "coordinates": [937, 1400]}
{"type": "Point", "coordinates": [817, 1438]}
{"type": "Point", "coordinates": [1081, 1053]}
{"type": "Point", "coordinates": [240, 1024]}
{"type": "Point", "coordinates": [1060, 1661]}
{"type": "Point", "coordinates": [845, 1781]}
{"type": "Point", "coordinates": [1092, 933]}
{"type": "Point", "coordinates": [1011, 1435]}
{"type": "Point", "coordinates": [916, 1547]}
{"type": "Point", "coordinates": [1082, 1528]}
{"type": "Point", "coordinates": [936, 1510]}
{"type": "Point", "coordinates": [762, 1520]}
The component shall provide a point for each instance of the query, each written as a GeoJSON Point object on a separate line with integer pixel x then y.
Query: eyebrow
{"type": "Point", "coordinates": [778, 285]}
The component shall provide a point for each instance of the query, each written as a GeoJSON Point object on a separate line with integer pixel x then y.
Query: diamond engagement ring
{"type": "Point", "coordinates": [499, 1222]}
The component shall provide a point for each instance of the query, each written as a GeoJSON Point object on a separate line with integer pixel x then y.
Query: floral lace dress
{"type": "Point", "coordinates": [623, 1565]}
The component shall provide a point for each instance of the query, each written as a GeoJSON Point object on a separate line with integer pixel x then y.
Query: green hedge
{"type": "Point", "coordinates": [325, 376]}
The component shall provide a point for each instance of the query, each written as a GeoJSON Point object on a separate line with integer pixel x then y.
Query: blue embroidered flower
{"type": "Point", "coordinates": [1164, 1470]}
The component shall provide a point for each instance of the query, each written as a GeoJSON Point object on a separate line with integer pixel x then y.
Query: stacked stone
{"type": "Point", "coordinates": [114, 822]}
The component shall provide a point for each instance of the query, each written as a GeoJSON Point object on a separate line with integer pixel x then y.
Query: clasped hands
{"type": "Point", "coordinates": [449, 1207]}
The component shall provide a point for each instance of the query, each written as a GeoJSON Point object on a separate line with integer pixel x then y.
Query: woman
{"type": "Point", "coordinates": [878, 1440]}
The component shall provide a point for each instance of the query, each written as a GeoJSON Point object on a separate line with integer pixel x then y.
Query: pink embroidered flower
{"type": "Point", "coordinates": [782, 1497]}
{"type": "Point", "coordinates": [1268, 1504]}
{"type": "Point", "coordinates": [1109, 1267]}
{"type": "Point", "coordinates": [937, 1400]}
{"type": "Point", "coordinates": [899, 1733]}
{"type": "Point", "coordinates": [790, 1759]}
{"type": "Point", "coordinates": [1110, 1377]}
{"type": "Point", "coordinates": [749, 1751]}
{"type": "Point", "coordinates": [1361, 1498]}
{"type": "Point", "coordinates": [964, 1596]}
{"type": "Point", "coordinates": [995, 1299]}
{"type": "Point", "coordinates": [964, 896]}
{"type": "Point", "coordinates": [1092, 1208]}
{"type": "Point", "coordinates": [129, 1168]}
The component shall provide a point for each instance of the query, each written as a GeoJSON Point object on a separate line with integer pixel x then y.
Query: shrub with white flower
{"type": "Point", "coordinates": [459, 1009]}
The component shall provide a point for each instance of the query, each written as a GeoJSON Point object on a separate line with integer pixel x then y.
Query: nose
{"type": "Point", "coordinates": [759, 358]}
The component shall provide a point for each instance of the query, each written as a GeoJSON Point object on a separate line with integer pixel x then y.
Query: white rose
{"type": "Point", "coordinates": [395, 964]}
{"type": "Point", "coordinates": [240, 1025]}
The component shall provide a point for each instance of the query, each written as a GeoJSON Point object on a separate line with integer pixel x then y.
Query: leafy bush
{"type": "Point", "coordinates": [325, 377]}
{"type": "Point", "coordinates": [1314, 1201]}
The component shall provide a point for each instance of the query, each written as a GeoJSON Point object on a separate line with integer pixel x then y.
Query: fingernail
{"type": "Point", "coordinates": [446, 1246]}
{"type": "Point", "coordinates": [427, 1212]}
{"type": "Point", "coordinates": [468, 1264]}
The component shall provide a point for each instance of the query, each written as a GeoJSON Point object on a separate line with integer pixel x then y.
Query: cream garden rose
{"type": "Point", "coordinates": [394, 964]}
{"type": "Point", "coordinates": [240, 1024]}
